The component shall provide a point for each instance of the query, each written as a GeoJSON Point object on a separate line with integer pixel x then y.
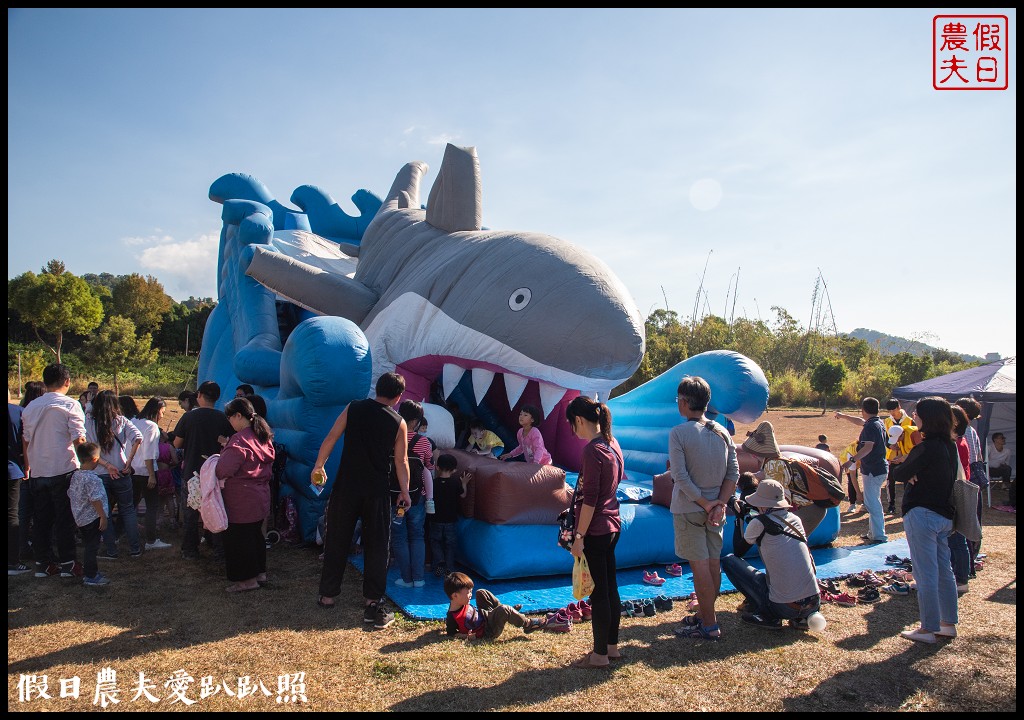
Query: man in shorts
{"type": "Point", "coordinates": [702, 460]}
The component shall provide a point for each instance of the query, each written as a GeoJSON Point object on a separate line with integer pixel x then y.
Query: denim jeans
{"type": "Point", "coordinates": [927, 536]}
{"type": "Point", "coordinates": [444, 540]}
{"type": "Point", "coordinates": [872, 485]}
{"type": "Point", "coordinates": [408, 541]}
{"type": "Point", "coordinates": [119, 492]}
{"type": "Point", "coordinates": [753, 584]}
{"type": "Point", "coordinates": [960, 557]}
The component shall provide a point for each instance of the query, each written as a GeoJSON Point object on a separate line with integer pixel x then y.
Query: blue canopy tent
{"type": "Point", "coordinates": [994, 385]}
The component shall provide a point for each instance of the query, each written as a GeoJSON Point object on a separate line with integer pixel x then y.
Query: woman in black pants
{"type": "Point", "coordinates": [596, 510]}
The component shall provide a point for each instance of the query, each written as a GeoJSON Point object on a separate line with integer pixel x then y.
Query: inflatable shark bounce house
{"type": "Point", "coordinates": [314, 305]}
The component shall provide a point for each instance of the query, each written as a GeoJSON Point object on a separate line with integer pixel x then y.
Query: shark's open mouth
{"type": "Point", "coordinates": [488, 382]}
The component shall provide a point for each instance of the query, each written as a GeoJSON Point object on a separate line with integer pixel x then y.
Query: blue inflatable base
{"type": "Point", "coordinates": [549, 593]}
{"type": "Point", "coordinates": [648, 538]}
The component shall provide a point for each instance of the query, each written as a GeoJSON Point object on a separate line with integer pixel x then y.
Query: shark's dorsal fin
{"type": "Point", "coordinates": [405, 190]}
{"type": "Point", "coordinates": [454, 201]}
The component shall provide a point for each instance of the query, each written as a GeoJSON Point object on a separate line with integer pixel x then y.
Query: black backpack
{"type": "Point", "coordinates": [416, 468]}
{"type": "Point", "coordinates": [14, 440]}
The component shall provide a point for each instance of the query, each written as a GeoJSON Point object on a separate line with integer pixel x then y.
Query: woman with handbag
{"type": "Point", "coordinates": [596, 510]}
{"type": "Point", "coordinates": [245, 466]}
{"type": "Point", "coordinates": [959, 548]}
{"type": "Point", "coordinates": [930, 471]}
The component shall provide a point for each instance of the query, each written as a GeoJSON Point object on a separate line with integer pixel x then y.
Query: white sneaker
{"type": "Point", "coordinates": [157, 544]}
{"type": "Point", "coordinates": [853, 508]}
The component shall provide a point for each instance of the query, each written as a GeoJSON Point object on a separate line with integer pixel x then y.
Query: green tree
{"type": "Point", "coordinates": [910, 368]}
{"type": "Point", "coordinates": [140, 299]}
{"type": "Point", "coordinates": [115, 347]}
{"type": "Point", "coordinates": [827, 380]}
{"type": "Point", "coordinates": [54, 302]}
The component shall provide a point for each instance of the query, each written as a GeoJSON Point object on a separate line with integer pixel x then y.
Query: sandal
{"type": "Point", "coordinates": [691, 621]}
{"type": "Point", "coordinates": [585, 662]}
{"type": "Point", "coordinates": [698, 632]}
{"type": "Point", "coordinates": [236, 588]}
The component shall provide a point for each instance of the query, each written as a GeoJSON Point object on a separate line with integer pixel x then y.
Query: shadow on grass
{"type": "Point", "coordinates": [654, 646]}
{"type": "Point", "coordinates": [161, 602]}
{"type": "Point", "coordinates": [851, 689]}
{"type": "Point", "coordinates": [1006, 595]}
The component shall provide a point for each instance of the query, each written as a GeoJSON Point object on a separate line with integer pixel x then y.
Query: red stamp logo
{"type": "Point", "coordinates": [970, 52]}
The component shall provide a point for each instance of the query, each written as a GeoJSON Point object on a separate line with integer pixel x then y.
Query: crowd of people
{"type": "Point", "coordinates": [82, 468]}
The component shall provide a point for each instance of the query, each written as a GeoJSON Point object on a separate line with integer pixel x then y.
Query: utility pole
{"type": "Point", "coordinates": [186, 339]}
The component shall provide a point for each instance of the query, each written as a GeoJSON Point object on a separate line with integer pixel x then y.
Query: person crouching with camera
{"type": "Point", "coordinates": [788, 587]}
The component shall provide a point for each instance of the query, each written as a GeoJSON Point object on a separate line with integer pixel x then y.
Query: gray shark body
{"type": "Point", "coordinates": [438, 296]}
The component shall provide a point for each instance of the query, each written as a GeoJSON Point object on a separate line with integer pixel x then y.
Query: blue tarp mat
{"type": "Point", "coordinates": [549, 593]}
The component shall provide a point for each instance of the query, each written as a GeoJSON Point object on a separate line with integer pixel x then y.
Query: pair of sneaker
{"type": "Point", "coordinates": [674, 570]}
{"type": "Point", "coordinates": [378, 614]}
{"type": "Point", "coordinates": [652, 578]}
{"type": "Point", "coordinates": [896, 588]}
{"type": "Point", "coordinates": [578, 612]}
{"type": "Point", "coordinates": [638, 608]}
{"type": "Point", "coordinates": [558, 621]}
{"type": "Point", "coordinates": [843, 599]}
{"type": "Point", "coordinates": [410, 584]}
{"type": "Point", "coordinates": [869, 595]}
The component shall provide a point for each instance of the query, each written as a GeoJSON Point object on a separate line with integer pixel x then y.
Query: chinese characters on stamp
{"type": "Point", "coordinates": [970, 52]}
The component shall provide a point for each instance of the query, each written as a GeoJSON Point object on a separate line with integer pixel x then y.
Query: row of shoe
{"type": "Point", "coordinates": [646, 607]}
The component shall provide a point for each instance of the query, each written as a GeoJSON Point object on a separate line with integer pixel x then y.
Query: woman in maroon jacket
{"type": "Point", "coordinates": [245, 467]}
{"type": "Point", "coordinates": [596, 510]}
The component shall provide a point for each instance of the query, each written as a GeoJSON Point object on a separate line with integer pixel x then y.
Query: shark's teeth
{"type": "Point", "coordinates": [549, 396]}
{"type": "Point", "coordinates": [514, 386]}
{"type": "Point", "coordinates": [450, 377]}
{"type": "Point", "coordinates": [482, 380]}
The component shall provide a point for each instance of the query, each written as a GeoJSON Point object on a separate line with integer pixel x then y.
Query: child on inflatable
{"type": "Point", "coordinates": [481, 440]}
{"type": "Point", "coordinates": [531, 442]}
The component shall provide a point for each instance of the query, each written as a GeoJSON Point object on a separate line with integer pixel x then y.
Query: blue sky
{"type": "Point", "coordinates": [767, 144]}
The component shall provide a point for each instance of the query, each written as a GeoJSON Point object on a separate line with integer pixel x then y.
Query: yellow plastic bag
{"type": "Point", "coordinates": [582, 580]}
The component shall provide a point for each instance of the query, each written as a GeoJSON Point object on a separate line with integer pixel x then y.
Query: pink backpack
{"type": "Point", "coordinates": [215, 517]}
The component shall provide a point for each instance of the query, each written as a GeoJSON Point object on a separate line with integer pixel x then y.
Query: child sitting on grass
{"type": "Point", "coordinates": [488, 619]}
{"type": "Point", "coordinates": [89, 506]}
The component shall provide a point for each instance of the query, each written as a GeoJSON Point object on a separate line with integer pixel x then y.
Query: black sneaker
{"type": "Point", "coordinates": [766, 623]}
{"type": "Point", "coordinates": [663, 603]}
{"type": "Point", "coordinates": [800, 624]}
{"type": "Point", "coordinates": [382, 617]}
{"type": "Point", "coordinates": [869, 595]}
{"type": "Point", "coordinates": [104, 555]}
{"type": "Point", "coordinates": [891, 510]}
{"type": "Point", "coordinates": [370, 613]}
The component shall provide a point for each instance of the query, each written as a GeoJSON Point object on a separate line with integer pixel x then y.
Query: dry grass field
{"type": "Point", "coordinates": [168, 618]}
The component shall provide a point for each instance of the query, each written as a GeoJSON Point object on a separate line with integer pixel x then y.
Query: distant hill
{"type": "Point", "coordinates": [892, 344]}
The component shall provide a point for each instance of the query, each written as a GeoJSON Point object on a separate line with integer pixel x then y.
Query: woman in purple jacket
{"type": "Point", "coordinates": [596, 510]}
{"type": "Point", "coordinates": [245, 467]}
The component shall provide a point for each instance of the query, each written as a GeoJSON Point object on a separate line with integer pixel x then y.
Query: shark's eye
{"type": "Point", "coordinates": [519, 299]}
